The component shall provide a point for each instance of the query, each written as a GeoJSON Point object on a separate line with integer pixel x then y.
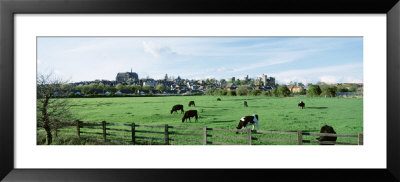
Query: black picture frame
{"type": "Point", "coordinates": [8, 8]}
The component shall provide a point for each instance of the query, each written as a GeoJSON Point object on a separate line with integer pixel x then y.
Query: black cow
{"type": "Point", "coordinates": [218, 99]}
{"type": "Point", "coordinates": [189, 114]}
{"type": "Point", "coordinates": [191, 103]}
{"type": "Point", "coordinates": [247, 120]}
{"type": "Point", "coordinates": [301, 104]}
{"type": "Point", "coordinates": [177, 108]}
{"type": "Point", "coordinates": [245, 104]}
{"type": "Point", "coordinates": [327, 129]}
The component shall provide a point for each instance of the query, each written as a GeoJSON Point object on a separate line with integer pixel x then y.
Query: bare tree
{"type": "Point", "coordinates": [52, 107]}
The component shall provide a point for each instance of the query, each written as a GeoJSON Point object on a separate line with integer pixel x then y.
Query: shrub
{"type": "Point", "coordinates": [231, 93]}
{"type": "Point", "coordinates": [313, 90]}
{"type": "Point", "coordinates": [329, 91]}
{"type": "Point", "coordinates": [242, 90]}
{"type": "Point", "coordinates": [255, 92]}
{"type": "Point", "coordinates": [283, 91]}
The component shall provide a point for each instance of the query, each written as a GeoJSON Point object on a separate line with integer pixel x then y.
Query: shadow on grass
{"type": "Point", "coordinates": [227, 121]}
{"type": "Point", "coordinates": [316, 107]}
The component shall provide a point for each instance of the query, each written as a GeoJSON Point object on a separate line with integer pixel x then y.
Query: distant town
{"type": "Point", "coordinates": [128, 83]}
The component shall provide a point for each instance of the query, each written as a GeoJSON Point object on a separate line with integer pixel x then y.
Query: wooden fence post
{"type": "Point", "coordinates": [104, 130]}
{"type": "Point", "coordinates": [249, 136]}
{"type": "Point", "coordinates": [300, 137]}
{"type": "Point", "coordinates": [78, 128]}
{"type": "Point", "coordinates": [166, 135]}
{"type": "Point", "coordinates": [204, 135]}
{"type": "Point", "coordinates": [133, 134]}
{"type": "Point", "coordinates": [360, 139]}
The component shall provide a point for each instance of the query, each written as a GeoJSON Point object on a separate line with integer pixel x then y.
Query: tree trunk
{"type": "Point", "coordinates": [46, 122]}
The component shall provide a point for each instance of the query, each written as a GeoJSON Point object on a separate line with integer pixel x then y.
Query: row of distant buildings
{"type": "Point", "coordinates": [183, 85]}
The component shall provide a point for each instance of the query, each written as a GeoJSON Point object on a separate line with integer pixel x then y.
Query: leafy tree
{"type": "Point", "coordinates": [94, 86]}
{"type": "Point", "coordinates": [243, 82]}
{"type": "Point", "coordinates": [67, 87]}
{"type": "Point", "coordinates": [353, 89]}
{"type": "Point", "coordinates": [242, 90]}
{"type": "Point", "coordinates": [119, 86]}
{"type": "Point", "coordinates": [85, 89]}
{"type": "Point", "coordinates": [160, 87]}
{"type": "Point", "coordinates": [283, 91]}
{"type": "Point", "coordinates": [146, 87]}
{"type": "Point", "coordinates": [313, 90]}
{"type": "Point", "coordinates": [302, 91]}
{"type": "Point", "coordinates": [328, 91]}
{"type": "Point", "coordinates": [101, 86]}
{"type": "Point", "coordinates": [275, 92]}
{"type": "Point", "coordinates": [51, 109]}
{"type": "Point", "coordinates": [342, 88]}
{"type": "Point", "coordinates": [110, 89]}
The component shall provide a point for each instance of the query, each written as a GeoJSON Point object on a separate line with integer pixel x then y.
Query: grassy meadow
{"type": "Point", "coordinates": [345, 115]}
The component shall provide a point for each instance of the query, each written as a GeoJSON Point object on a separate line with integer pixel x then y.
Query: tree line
{"type": "Point", "coordinates": [313, 90]}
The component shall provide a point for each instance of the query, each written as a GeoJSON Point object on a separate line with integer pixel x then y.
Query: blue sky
{"type": "Point", "coordinates": [300, 59]}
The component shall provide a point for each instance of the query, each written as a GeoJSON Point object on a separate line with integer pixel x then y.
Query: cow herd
{"type": "Point", "coordinates": [250, 120]}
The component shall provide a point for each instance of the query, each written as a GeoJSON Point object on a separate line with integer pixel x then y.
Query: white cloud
{"type": "Point", "coordinates": [155, 49]}
{"type": "Point", "coordinates": [332, 74]}
{"type": "Point", "coordinates": [329, 79]}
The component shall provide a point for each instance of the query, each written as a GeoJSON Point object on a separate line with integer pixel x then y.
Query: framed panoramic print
{"type": "Point", "coordinates": [125, 91]}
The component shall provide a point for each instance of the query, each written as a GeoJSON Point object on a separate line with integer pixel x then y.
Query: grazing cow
{"type": "Point", "coordinates": [301, 104]}
{"type": "Point", "coordinates": [189, 114]}
{"type": "Point", "coordinates": [177, 108]}
{"type": "Point", "coordinates": [191, 103]}
{"type": "Point", "coordinates": [247, 120]}
{"type": "Point", "coordinates": [327, 129]}
{"type": "Point", "coordinates": [218, 99]}
{"type": "Point", "coordinates": [245, 104]}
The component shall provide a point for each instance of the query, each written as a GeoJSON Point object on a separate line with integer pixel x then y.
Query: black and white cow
{"type": "Point", "coordinates": [301, 104]}
{"type": "Point", "coordinates": [247, 120]}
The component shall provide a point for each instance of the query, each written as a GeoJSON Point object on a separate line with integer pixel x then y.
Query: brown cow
{"type": "Point", "coordinates": [177, 108]}
{"type": "Point", "coordinates": [189, 114]}
{"type": "Point", "coordinates": [191, 103]}
{"type": "Point", "coordinates": [327, 129]}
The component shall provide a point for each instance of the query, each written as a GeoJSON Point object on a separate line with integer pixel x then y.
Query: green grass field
{"type": "Point", "coordinates": [345, 115]}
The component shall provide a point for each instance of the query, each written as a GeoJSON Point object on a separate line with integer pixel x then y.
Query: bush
{"type": "Point", "coordinates": [231, 93]}
{"type": "Point", "coordinates": [224, 92]}
{"type": "Point", "coordinates": [242, 90]}
{"type": "Point", "coordinates": [313, 90]}
{"type": "Point", "coordinates": [209, 92]}
{"type": "Point", "coordinates": [275, 92]}
{"type": "Point", "coordinates": [266, 93]}
{"type": "Point", "coordinates": [329, 91]}
{"type": "Point", "coordinates": [255, 92]}
{"type": "Point", "coordinates": [283, 91]}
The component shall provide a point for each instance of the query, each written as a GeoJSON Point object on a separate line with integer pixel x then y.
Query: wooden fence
{"type": "Point", "coordinates": [203, 137]}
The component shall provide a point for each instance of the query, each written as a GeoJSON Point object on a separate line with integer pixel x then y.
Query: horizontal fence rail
{"type": "Point", "coordinates": [167, 134]}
